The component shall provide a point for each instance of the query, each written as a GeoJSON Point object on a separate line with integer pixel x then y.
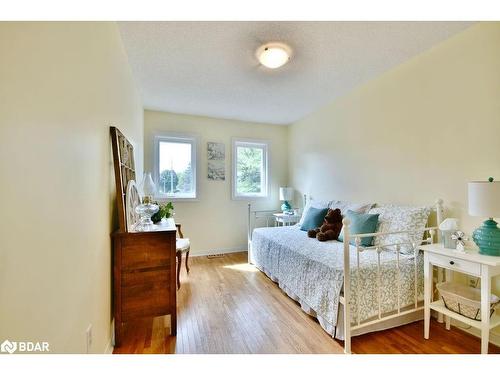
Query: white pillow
{"type": "Point", "coordinates": [344, 206]}
{"type": "Point", "coordinates": [312, 203]}
{"type": "Point", "coordinates": [400, 218]}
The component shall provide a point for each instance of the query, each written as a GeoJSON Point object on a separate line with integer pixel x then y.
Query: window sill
{"type": "Point", "coordinates": [163, 199]}
{"type": "Point", "coordinates": [249, 197]}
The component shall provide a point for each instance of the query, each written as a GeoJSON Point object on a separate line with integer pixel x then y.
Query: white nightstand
{"type": "Point", "coordinates": [471, 263]}
{"type": "Point", "coordinates": [285, 219]}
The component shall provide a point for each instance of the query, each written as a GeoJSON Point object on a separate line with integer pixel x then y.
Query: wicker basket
{"type": "Point", "coordinates": [464, 300]}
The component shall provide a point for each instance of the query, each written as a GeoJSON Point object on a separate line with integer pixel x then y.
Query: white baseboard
{"type": "Point", "coordinates": [227, 250]}
{"type": "Point", "coordinates": [111, 343]}
{"type": "Point", "coordinates": [109, 347]}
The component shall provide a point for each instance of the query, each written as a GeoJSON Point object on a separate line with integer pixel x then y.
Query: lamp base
{"type": "Point", "coordinates": [487, 238]}
{"type": "Point", "coordinates": [286, 207]}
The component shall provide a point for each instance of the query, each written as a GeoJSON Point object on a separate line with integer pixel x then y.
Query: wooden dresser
{"type": "Point", "coordinates": [144, 277]}
{"type": "Point", "coordinates": [144, 283]}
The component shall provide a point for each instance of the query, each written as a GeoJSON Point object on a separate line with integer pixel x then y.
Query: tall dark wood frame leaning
{"type": "Point", "coordinates": [124, 165]}
{"type": "Point", "coordinates": [144, 275]}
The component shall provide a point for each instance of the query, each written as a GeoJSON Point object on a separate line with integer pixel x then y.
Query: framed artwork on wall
{"type": "Point", "coordinates": [216, 155]}
{"type": "Point", "coordinates": [216, 170]}
{"type": "Point", "coordinates": [216, 151]}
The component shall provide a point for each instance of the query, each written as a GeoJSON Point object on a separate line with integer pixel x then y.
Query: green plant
{"type": "Point", "coordinates": [166, 211]}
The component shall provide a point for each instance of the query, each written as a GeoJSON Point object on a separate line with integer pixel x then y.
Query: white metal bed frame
{"type": "Point", "coordinates": [430, 235]}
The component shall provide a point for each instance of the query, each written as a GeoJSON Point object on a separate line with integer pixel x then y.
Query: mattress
{"type": "Point", "coordinates": [312, 273]}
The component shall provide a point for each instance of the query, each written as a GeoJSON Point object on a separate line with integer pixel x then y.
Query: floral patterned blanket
{"type": "Point", "coordinates": [311, 272]}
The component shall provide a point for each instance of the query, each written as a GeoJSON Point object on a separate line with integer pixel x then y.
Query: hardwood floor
{"type": "Point", "coordinates": [227, 306]}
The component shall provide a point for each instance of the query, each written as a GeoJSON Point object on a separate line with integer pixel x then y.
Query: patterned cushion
{"type": "Point", "coordinates": [400, 218]}
{"type": "Point", "coordinates": [182, 244]}
{"type": "Point", "coordinates": [345, 206]}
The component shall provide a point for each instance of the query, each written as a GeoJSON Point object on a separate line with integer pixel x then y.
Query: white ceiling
{"type": "Point", "coordinates": [210, 68]}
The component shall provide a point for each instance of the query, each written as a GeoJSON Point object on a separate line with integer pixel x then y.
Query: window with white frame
{"type": "Point", "coordinates": [250, 168]}
{"type": "Point", "coordinates": [175, 166]}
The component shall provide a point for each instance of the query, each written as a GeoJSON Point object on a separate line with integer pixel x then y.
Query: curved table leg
{"type": "Point", "coordinates": [187, 257]}
{"type": "Point", "coordinates": [179, 263]}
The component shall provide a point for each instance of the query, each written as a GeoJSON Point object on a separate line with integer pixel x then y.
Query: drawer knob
{"type": "Point", "coordinates": [452, 262]}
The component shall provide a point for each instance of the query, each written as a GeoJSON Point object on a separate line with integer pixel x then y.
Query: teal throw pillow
{"type": "Point", "coordinates": [360, 224]}
{"type": "Point", "coordinates": [314, 218]}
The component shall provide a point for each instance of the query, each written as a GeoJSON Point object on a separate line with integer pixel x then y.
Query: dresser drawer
{"type": "Point", "coordinates": [151, 279]}
{"type": "Point", "coordinates": [455, 264]}
{"type": "Point", "coordinates": [136, 256]}
{"type": "Point", "coordinates": [146, 293]}
{"type": "Point", "coordinates": [143, 277]}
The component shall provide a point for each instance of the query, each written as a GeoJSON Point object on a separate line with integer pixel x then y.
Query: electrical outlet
{"type": "Point", "coordinates": [89, 337]}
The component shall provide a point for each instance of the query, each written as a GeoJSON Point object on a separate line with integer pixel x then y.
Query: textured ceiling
{"type": "Point", "coordinates": [210, 68]}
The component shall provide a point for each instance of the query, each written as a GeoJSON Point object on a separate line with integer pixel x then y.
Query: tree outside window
{"type": "Point", "coordinates": [175, 166]}
{"type": "Point", "coordinates": [249, 169]}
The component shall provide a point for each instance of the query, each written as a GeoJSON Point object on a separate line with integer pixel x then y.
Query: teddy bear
{"type": "Point", "coordinates": [330, 230]}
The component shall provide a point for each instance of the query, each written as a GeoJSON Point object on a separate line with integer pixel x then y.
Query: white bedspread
{"type": "Point", "coordinates": [311, 272]}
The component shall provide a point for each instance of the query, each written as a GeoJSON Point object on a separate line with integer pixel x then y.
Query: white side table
{"type": "Point", "coordinates": [471, 263]}
{"type": "Point", "coordinates": [285, 219]}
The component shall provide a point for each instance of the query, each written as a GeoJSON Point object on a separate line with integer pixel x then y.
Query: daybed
{"type": "Point", "coordinates": [384, 285]}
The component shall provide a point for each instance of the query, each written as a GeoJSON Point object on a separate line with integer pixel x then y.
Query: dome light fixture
{"type": "Point", "coordinates": [274, 55]}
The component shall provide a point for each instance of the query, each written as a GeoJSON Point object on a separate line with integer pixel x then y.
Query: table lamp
{"type": "Point", "coordinates": [286, 194]}
{"type": "Point", "coordinates": [484, 200]}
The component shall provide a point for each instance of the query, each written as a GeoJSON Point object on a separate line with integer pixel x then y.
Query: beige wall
{"type": "Point", "coordinates": [416, 133]}
{"type": "Point", "coordinates": [419, 132]}
{"type": "Point", "coordinates": [62, 86]}
{"type": "Point", "coordinates": [214, 222]}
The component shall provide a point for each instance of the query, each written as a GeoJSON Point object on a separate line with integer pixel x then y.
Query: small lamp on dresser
{"type": "Point", "coordinates": [484, 201]}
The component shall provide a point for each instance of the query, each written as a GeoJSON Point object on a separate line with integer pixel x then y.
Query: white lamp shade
{"type": "Point", "coordinates": [286, 193]}
{"type": "Point", "coordinates": [484, 198]}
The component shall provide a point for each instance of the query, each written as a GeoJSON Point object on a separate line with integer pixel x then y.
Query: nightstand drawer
{"type": "Point", "coordinates": [455, 264]}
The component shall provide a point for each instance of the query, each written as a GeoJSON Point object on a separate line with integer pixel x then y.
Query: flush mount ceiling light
{"type": "Point", "coordinates": [274, 55]}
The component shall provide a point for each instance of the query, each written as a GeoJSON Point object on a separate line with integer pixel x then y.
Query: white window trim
{"type": "Point", "coordinates": [187, 138]}
{"type": "Point", "coordinates": [264, 144]}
